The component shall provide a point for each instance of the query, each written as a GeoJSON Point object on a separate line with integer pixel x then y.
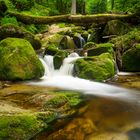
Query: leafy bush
{"type": "Point", "coordinates": [7, 20]}
{"type": "Point", "coordinates": [31, 28]}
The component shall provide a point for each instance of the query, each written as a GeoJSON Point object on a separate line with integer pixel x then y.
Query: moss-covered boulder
{"type": "Point", "coordinates": [19, 126]}
{"type": "Point", "coordinates": [115, 27]}
{"type": "Point", "coordinates": [97, 68]}
{"type": "Point", "coordinates": [124, 43]}
{"type": "Point", "coordinates": [18, 60]}
{"type": "Point", "coordinates": [131, 59]}
{"type": "Point", "coordinates": [10, 30]}
{"type": "Point", "coordinates": [58, 58]}
{"type": "Point", "coordinates": [100, 48]}
{"type": "Point", "coordinates": [67, 43]}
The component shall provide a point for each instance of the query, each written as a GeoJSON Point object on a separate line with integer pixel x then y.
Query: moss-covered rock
{"type": "Point", "coordinates": [67, 43]}
{"type": "Point", "coordinates": [101, 48]}
{"type": "Point", "coordinates": [89, 45]}
{"type": "Point", "coordinates": [18, 60]}
{"type": "Point", "coordinates": [53, 39]}
{"type": "Point", "coordinates": [58, 58]}
{"type": "Point", "coordinates": [131, 59]}
{"type": "Point", "coordinates": [19, 126]}
{"type": "Point", "coordinates": [51, 49]}
{"type": "Point", "coordinates": [124, 43]}
{"type": "Point", "coordinates": [11, 30]}
{"type": "Point", "coordinates": [95, 68]}
{"type": "Point", "coordinates": [115, 27]}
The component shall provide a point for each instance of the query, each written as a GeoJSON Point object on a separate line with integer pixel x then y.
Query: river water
{"type": "Point", "coordinates": [110, 112]}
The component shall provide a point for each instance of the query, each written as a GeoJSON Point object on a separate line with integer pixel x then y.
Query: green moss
{"type": "Point", "coordinates": [59, 57]}
{"type": "Point", "coordinates": [116, 27]}
{"type": "Point", "coordinates": [51, 50]}
{"type": "Point", "coordinates": [11, 30]}
{"type": "Point", "coordinates": [124, 43]}
{"type": "Point", "coordinates": [95, 68]}
{"type": "Point", "coordinates": [100, 49]}
{"type": "Point", "coordinates": [18, 60]}
{"type": "Point", "coordinates": [89, 45]}
{"type": "Point", "coordinates": [71, 98]}
{"type": "Point", "coordinates": [55, 39]}
{"type": "Point", "coordinates": [19, 126]}
{"type": "Point", "coordinates": [67, 43]}
{"type": "Point", "coordinates": [9, 20]}
{"type": "Point", "coordinates": [127, 41]}
{"type": "Point", "coordinates": [131, 58]}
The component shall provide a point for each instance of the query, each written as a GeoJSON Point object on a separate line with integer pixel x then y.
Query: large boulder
{"type": "Point", "coordinates": [100, 48]}
{"type": "Point", "coordinates": [97, 68]}
{"type": "Point", "coordinates": [18, 60]}
{"type": "Point", "coordinates": [131, 59]}
{"type": "Point", "coordinates": [115, 27]}
{"type": "Point", "coordinates": [10, 30]}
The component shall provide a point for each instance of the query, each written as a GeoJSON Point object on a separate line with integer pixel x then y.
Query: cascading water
{"type": "Point", "coordinates": [63, 78]}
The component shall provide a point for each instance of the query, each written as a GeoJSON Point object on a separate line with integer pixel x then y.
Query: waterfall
{"type": "Point", "coordinates": [82, 41]}
{"type": "Point", "coordinates": [65, 69]}
{"type": "Point", "coordinates": [63, 78]}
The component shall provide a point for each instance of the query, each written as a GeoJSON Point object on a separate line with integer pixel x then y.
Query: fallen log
{"type": "Point", "coordinates": [75, 19]}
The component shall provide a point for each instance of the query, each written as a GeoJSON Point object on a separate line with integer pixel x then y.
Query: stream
{"type": "Point", "coordinates": [112, 112]}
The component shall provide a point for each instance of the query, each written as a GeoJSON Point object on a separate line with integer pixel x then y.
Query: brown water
{"type": "Point", "coordinates": [103, 118]}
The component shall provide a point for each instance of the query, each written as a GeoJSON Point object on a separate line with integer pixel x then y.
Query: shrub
{"type": "Point", "coordinates": [7, 20]}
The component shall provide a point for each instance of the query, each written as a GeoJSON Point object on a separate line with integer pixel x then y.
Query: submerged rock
{"type": "Point", "coordinates": [30, 111]}
{"type": "Point", "coordinates": [10, 30]}
{"type": "Point", "coordinates": [131, 58]}
{"type": "Point", "coordinates": [97, 68]}
{"type": "Point", "coordinates": [18, 60]}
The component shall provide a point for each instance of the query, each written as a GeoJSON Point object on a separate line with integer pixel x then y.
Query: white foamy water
{"type": "Point", "coordinates": [63, 78]}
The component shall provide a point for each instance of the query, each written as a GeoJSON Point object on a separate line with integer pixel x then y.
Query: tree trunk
{"type": "Point", "coordinates": [98, 19]}
{"type": "Point", "coordinates": [73, 7]}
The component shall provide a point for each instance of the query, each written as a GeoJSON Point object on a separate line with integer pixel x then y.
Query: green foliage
{"type": "Point", "coordinates": [96, 6]}
{"type": "Point", "coordinates": [31, 28]}
{"type": "Point", "coordinates": [7, 20]}
{"type": "Point", "coordinates": [23, 4]}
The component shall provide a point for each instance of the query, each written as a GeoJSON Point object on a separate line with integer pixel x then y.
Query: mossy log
{"type": "Point", "coordinates": [77, 19]}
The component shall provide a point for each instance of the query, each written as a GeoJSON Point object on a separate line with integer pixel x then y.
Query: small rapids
{"type": "Point", "coordinates": [63, 78]}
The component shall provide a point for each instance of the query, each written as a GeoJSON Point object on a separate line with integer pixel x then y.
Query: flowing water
{"type": "Point", "coordinates": [112, 113]}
